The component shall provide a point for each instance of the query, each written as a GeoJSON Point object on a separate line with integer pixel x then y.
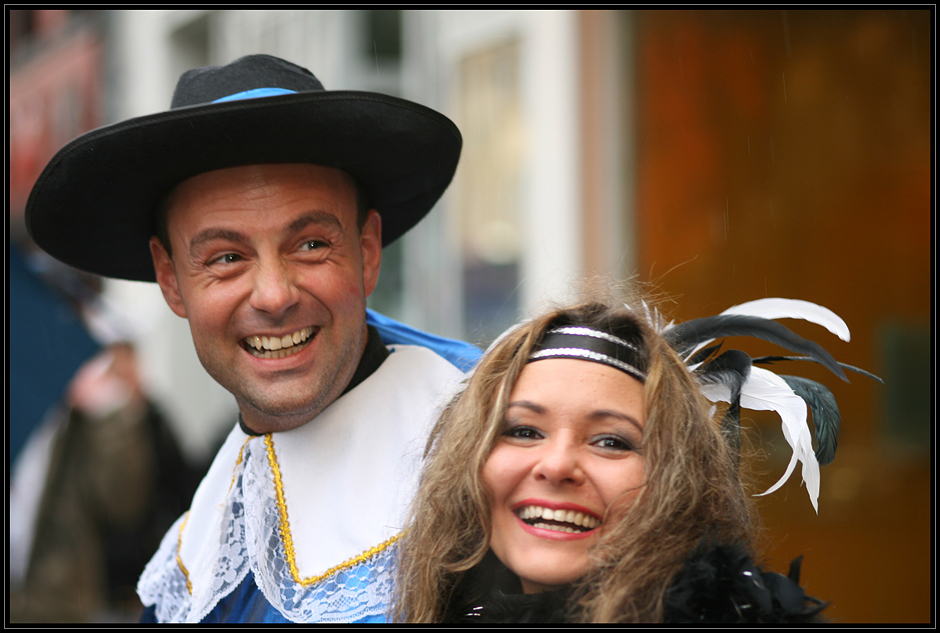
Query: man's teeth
{"type": "Point", "coordinates": [577, 521]}
{"type": "Point", "coordinates": [277, 347]}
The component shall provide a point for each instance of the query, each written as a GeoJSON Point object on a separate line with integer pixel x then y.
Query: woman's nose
{"type": "Point", "coordinates": [275, 291]}
{"type": "Point", "coordinates": [559, 462]}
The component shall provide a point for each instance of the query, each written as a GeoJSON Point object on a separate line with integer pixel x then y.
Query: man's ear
{"type": "Point", "coordinates": [370, 241]}
{"type": "Point", "coordinates": [166, 277]}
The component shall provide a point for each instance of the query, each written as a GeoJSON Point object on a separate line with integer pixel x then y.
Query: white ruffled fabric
{"type": "Point", "coordinates": [345, 487]}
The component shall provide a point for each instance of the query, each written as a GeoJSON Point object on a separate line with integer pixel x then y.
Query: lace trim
{"type": "Point", "coordinates": [360, 587]}
{"type": "Point", "coordinates": [238, 460]}
{"type": "Point", "coordinates": [179, 542]}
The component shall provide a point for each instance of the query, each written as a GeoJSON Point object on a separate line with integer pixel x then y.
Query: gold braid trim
{"type": "Point", "coordinates": [179, 559]}
{"type": "Point", "coordinates": [238, 461]}
{"type": "Point", "coordinates": [289, 542]}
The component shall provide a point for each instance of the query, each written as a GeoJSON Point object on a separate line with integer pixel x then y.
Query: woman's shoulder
{"type": "Point", "coordinates": [718, 584]}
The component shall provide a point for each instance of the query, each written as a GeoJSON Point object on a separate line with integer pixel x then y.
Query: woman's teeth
{"type": "Point", "coordinates": [571, 521]}
{"type": "Point", "coordinates": [278, 347]}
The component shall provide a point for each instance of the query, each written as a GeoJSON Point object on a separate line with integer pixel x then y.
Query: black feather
{"type": "Point", "coordinates": [721, 584]}
{"type": "Point", "coordinates": [685, 336]}
{"type": "Point", "coordinates": [826, 417]}
{"type": "Point", "coordinates": [767, 360]}
{"type": "Point", "coordinates": [702, 355]}
{"type": "Point", "coordinates": [730, 369]}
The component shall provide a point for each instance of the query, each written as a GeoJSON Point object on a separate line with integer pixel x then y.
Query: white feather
{"type": "Point", "coordinates": [653, 317]}
{"type": "Point", "coordinates": [774, 308]}
{"type": "Point", "coordinates": [765, 391]}
{"type": "Point", "coordinates": [716, 392]}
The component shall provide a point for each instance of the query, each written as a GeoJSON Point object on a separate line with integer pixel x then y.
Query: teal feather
{"type": "Point", "coordinates": [766, 360]}
{"type": "Point", "coordinates": [826, 418]}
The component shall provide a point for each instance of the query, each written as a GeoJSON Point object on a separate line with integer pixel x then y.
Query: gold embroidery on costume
{"type": "Point", "coordinates": [289, 542]}
{"type": "Point", "coordinates": [238, 461]}
{"type": "Point", "coordinates": [179, 559]}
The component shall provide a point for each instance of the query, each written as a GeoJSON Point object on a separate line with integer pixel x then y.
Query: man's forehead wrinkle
{"type": "Point", "coordinates": [256, 186]}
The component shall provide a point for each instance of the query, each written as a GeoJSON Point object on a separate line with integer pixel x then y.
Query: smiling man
{"type": "Point", "coordinates": [272, 270]}
{"type": "Point", "coordinates": [260, 204]}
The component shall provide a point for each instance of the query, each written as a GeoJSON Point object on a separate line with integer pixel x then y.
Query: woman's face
{"type": "Point", "coordinates": [567, 459]}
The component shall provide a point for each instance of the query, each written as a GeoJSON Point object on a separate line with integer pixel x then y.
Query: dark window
{"type": "Point", "coordinates": [383, 35]}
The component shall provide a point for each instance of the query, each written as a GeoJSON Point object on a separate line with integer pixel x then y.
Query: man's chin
{"type": "Point", "coordinates": [274, 403]}
{"type": "Point", "coordinates": [273, 415]}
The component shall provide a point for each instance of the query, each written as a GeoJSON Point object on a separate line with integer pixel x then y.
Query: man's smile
{"type": "Point", "coordinates": [279, 346]}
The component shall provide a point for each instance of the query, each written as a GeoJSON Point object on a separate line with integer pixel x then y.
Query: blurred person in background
{"type": "Point", "coordinates": [48, 338]}
{"type": "Point", "coordinates": [96, 474]}
{"type": "Point", "coordinates": [95, 488]}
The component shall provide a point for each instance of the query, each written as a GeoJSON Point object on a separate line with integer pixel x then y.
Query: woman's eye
{"type": "Point", "coordinates": [523, 433]}
{"type": "Point", "coordinates": [613, 442]}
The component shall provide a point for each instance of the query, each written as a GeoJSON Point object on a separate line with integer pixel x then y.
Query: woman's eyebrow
{"type": "Point", "coordinates": [609, 413]}
{"type": "Point", "coordinates": [527, 404]}
{"type": "Point", "coordinates": [594, 415]}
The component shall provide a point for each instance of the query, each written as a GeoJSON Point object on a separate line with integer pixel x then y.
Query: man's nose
{"type": "Point", "coordinates": [275, 290]}
{"type": "Point", "coordinates": [559, 463]}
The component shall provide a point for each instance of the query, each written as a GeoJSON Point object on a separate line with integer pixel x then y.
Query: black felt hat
{"type": "Point", "coordinates": [93, 205]}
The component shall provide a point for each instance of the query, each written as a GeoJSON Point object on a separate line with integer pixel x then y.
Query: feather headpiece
{"type": "Point", "coordinates": [736, 378]}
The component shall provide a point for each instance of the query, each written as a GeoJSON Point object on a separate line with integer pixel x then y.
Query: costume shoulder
{"type": "Point", "coordinates": [460, 354]}
{"type": "Point", "coordinates": [280, 521]}
{"type": "Point", "coordinates": [722, 584]}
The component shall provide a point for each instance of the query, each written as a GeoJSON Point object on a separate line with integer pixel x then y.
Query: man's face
{"type": "Point", "coordinates": [272, 272]}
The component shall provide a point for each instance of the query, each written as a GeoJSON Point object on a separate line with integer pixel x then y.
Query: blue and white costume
{"type": "Point", "coordinates": [298, 526]}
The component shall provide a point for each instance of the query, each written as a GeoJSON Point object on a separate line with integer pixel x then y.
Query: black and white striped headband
{"type": "Point", "coordinates": [585, 343]}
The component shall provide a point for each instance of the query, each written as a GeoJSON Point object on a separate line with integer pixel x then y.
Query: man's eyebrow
{"type": "Point", "coordinates": [315, 217]}
{"type": "Point", "coordinates": [312, 217]}
{"type": "Point", "coordinates": [216, 234]}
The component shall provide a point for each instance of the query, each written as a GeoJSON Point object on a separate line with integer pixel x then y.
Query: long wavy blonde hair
{"type": "Point", "coordinates": [692, 485]}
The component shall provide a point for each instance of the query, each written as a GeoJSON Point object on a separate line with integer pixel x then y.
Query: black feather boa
{"type": "Point", "coordinates": [719, 584]}
{"type": "Point", "coordinates": [722, 584]}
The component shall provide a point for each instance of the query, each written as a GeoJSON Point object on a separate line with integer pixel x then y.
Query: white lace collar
{"type": "Point", "coordinates": [270, 503]}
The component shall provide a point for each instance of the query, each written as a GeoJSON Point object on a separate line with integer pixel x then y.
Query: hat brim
{"type": "Point", "coordinates": [93, 205]}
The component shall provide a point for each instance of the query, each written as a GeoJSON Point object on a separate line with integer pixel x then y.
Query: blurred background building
{"type": "Point", "coordinates": [721, 155]}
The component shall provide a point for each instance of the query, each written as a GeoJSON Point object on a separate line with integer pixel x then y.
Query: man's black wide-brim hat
{"type": "Point", "coordinates": [93, 205]}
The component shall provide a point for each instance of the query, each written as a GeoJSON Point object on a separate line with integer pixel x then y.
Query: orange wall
{"type": "Point", "coordinates": [787, 153]}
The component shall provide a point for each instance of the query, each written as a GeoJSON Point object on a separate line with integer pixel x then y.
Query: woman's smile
{"type": "Point", "coordinates": [557, 518]}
